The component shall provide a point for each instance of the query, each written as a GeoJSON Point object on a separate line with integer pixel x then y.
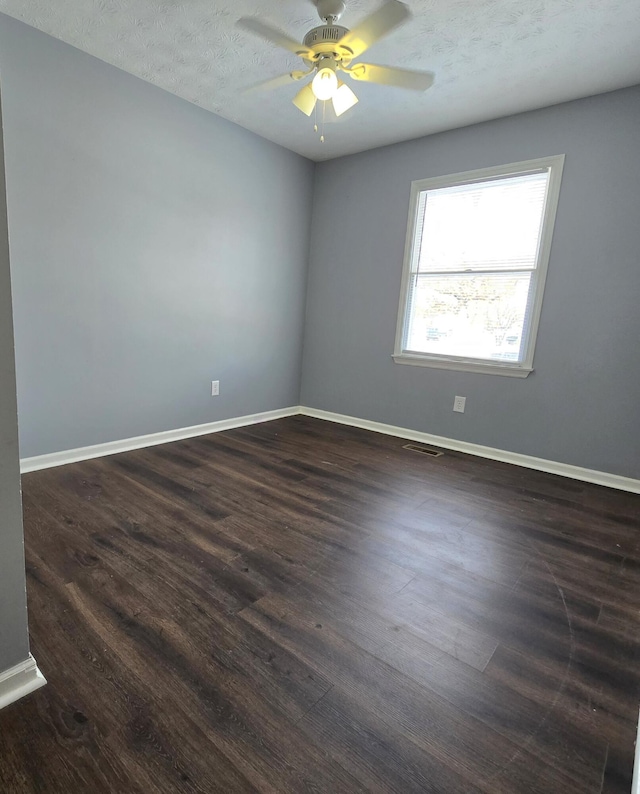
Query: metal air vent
{"type": "Point", "coordinates": [434, 453]}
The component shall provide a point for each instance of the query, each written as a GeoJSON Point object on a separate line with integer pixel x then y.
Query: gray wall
{"type": "Point", "coordinates": [582, 403]}
{"type": "Point", "coordinates": [155, 247]}
{"type": "Point", "coordinates": [14, 640]}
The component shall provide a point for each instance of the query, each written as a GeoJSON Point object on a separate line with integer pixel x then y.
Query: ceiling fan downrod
{"type": "Point", "coordinates": [330, 11]}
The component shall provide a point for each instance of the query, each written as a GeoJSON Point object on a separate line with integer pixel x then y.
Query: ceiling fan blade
{"type": "Point", "coordinates": [275, 36]}
{"type": "Point", "coordinates": [305, 100]}
{"type": "Point", "coordinates": [343, 99]}
{"type": "Point", "coordinates": [272, 82]}
{"type": "Point", "coordinates": [276, 82]}
{"type": "Point", "coordinates": [374, 27]}
{"type": "Point", "coordinates": [389, 75]}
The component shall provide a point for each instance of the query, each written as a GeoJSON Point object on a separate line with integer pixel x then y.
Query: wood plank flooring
{"type": "Point", "coordinates": [305, 607]}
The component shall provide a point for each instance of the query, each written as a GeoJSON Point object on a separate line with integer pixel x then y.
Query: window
{"type": "Point", "coordinates": [475, 262]}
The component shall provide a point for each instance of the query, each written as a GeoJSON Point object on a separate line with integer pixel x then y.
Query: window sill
{"type": "Point", "coordinates": [508, 370]}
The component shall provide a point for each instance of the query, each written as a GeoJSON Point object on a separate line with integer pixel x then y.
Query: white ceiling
{"type": "Point", "coordinates": [491, 58]}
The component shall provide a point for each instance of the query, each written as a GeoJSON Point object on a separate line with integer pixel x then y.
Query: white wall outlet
{"type": "Point", "coordinates": [459, 403]}
{"type": "Point", "coordinates": [215, 388]}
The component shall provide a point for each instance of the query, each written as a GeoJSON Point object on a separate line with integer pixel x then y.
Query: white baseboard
{"type": "Point", "coordinates": [635, 785]}
{"type": "Point", "coordinates": [20, 680]}
{"type": "Point", "coordinates": [529, 462]}
{"type": "Point", "coordinates": [139, 442]}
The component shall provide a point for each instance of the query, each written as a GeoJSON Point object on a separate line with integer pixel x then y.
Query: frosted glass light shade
{"type": "Point", "coordinates": [325, 84]}
{"type": "Point", "coordinates": [343, 99]}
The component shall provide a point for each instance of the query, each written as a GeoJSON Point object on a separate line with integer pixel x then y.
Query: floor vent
{"type": "Point", "coordinates": [434, 453]}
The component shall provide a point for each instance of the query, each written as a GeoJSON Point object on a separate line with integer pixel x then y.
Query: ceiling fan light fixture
{"type": "Point", "coordinates": [328, 51]}
{"type": "Point", "coordinates": [343, 99]}
{"type": "Point", "coordinates": [325, 83]}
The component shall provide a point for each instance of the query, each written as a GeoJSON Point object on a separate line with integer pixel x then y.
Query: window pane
{"type": "Point", "coordinates": [490, 225]}
{"type": "Point", "coordinates": [469, 315]}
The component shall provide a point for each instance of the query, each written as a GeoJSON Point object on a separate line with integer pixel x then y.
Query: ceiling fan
{"type": "Point", "coordinates": [329, 50]}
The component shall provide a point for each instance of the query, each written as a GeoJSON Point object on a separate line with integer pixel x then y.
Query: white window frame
{"type": "Point", "coordinates": [554, 166]}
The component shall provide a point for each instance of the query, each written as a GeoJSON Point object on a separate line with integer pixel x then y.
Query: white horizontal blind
{"type": "Point", "coordinates": [473, 265]}
{"type": "Point", "coordinates": [493, 224]}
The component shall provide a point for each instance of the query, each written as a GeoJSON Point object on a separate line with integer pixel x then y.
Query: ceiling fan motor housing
{"type": "Point", "coordinates": [324, 34]}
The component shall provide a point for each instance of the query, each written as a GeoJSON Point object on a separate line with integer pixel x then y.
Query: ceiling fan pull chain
{"type": "Point", "coordinates": [324, 107]}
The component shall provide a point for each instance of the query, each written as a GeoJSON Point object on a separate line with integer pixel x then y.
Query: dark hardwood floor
{"type": "Point", "coordinates": [305, 607]}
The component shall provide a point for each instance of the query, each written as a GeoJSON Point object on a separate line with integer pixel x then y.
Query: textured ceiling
{"type": "Point", "coordinates": [491, 58]}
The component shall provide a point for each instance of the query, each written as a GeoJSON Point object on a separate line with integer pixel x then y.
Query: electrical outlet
{"type": "Point", "coordinates": [215, 388]}
{"type": "Point", "coordinates": [459, 403]}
